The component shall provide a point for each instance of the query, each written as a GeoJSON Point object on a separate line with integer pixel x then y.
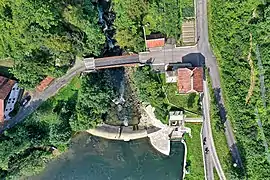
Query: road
{"type": "Point", "coordinates": [205, 48]}
{"type": "Point", "coordinates": [38, 98]}
{"type": "Point", "coordinates": [208, 134]}
{"type": "Point", "coordinates": [169, 55]}
{"type": "Point", "coordinates": [208, 163]}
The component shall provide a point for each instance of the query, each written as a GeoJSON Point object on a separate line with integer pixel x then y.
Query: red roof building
{"type": "Point", "coordinates": [5, 88]}
{"type": "Point", "coordinates": [190, 80]}
{"type": "Point", "coordinates": [152, 43]}
{"type": "Point", "coordinates": [44, 83]}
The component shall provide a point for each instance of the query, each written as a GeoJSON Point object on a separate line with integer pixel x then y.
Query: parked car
{"type": "Point", "coordinates": [25, 100]}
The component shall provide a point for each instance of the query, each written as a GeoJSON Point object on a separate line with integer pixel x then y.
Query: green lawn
{"type": "Point", "coordinates": [189, 102]}
{"type": "Point", "coordinates": [69, 90]}
{"type": "Point", "coordinates": [194, 154]}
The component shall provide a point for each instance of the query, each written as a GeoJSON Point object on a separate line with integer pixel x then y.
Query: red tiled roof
{"type": "Point", "coordinates": [190, 80]}
{"type": "Point", "coordinates": [2, 112]}
{"type": "Point", "coordinates": [198, 79]}
{"type": "Point", "coordinates": [151, 43]}
{"type": "Point", "coordinates": [5, 87]}
{"type": "Point", "coordinates": [44, 83]}
{"type": "Point", "coordinates": [184, 83]}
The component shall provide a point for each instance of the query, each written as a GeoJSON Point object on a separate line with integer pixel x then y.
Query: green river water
{"type": "Point", "coordinates": [93, 158]}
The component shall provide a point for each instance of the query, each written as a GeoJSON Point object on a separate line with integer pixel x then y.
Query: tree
{"type": "Point", "coordinates": [59, 30]}
{"type": "Point", "coordinates": [93, 102]}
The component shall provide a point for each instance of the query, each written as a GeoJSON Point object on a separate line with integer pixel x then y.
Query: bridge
{"type": "Point", "coordinates": [156, 57]}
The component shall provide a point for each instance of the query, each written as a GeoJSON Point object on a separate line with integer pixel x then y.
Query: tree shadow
{"type": "Point", "coordinates": [191, 100]}
{"type": "Point", "coordinates": [237, 158]}
{"type": "Point", "coordinates": [222, 111]}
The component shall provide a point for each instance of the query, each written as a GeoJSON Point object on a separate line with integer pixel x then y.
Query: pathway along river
{"type": "Point", "coordinates": [93, 158]}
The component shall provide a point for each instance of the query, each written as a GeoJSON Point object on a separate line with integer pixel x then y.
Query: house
{"type": "Point", "coordinates": [9, 93]}
{"type": "Point", "coordinates": [190, 80]}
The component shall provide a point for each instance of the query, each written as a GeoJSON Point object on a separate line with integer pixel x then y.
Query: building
{"type": "Point", "coordinates": [190, 80]}
{"type": "Point", "coordinates": [44, 83]}
{"type": "Point", "coordinates": [9, 92]}
{"type": "Point", "coordinates": [153, 43]}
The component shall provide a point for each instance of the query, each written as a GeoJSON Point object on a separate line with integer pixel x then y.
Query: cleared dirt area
{"type": "Point", "coordinates": [252, 72]}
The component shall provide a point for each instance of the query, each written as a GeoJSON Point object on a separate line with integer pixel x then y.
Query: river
{"type": "Point", "coordinates": [93, 158]}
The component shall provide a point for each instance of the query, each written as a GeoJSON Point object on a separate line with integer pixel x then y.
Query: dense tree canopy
{"type": "Point", "coordinates": [232, 24]}
{"type": "Point", "coordinates": [26, 148]}
{"type": "Point", "coordinates": [93, 102]}
{"type": "Point", "coordinates": [42, 36]}
{"type": "Point", "coordinates": [155, 16]}
{"type": "Point", "coordinates": [150, 90]}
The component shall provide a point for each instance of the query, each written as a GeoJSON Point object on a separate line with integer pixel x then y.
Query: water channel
{"type": "Point", "coordinates": [93, 158]}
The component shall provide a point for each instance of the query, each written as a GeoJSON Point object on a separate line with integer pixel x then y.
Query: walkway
{"type": "Point", "coordinates": [113, 132]}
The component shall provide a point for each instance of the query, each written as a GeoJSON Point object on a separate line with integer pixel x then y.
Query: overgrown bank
{"type": "Point", "coordinates": [26, 148]}
{"type": "Point", "coordinates": [231, 24]}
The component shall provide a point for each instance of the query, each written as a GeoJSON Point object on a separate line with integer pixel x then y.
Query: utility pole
{"type": "Point", "coordinates": [144, 35]}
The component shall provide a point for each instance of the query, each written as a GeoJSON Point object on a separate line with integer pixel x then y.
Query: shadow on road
{"type": "Point", "coordinates": [222, 111]}
{"type": "Point", "coordinates": [196, 59]}
{"type": "Point", "coordinates": [223, 116]}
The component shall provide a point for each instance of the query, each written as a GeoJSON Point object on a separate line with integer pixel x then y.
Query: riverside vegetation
{"type": "Point", "coordinates": [233, 24]}
{"type": "Point", "coordinates": [26, 148]}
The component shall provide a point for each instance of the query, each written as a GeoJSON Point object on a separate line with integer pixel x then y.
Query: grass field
{"type": "Point", "coordinates": [68, 91]}
{"type": "Point", "coordinates": [194, 153]}
{"type": "Point", "coordinates": [189, 102]}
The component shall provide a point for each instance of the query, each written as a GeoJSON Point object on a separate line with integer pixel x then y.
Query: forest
{"type": "Point", "coordinates": [156, 16]}
{"type": "Point", "coordinates": [44, 37]}
{"type": "Point", "coordinates": [239, 34]}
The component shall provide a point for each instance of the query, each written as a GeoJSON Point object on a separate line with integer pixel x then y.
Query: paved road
{"type": "Point", "coordinates": [116, 60]}
{"type": "Point", "coordinates": [208, 134]}
{"type": "Point", "coordinates": [205, 49]}
{"type": "Point", "coordinates": [165, 55]}
{"type": "Point", "coordinates": [208, 163]}
{"type": "Point", "coordinates": [39, 98]}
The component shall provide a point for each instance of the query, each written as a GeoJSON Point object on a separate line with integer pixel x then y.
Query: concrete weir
{"type": "Point", "coordinates": [159, 139]}
{"type": "Point", "coordinates": [113, 132]}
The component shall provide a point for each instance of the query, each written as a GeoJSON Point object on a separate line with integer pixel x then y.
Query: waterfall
{"type": "Point", "coordinates": [106, 23]}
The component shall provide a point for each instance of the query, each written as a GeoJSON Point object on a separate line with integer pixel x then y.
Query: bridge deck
{"type": "Point", "coordinates": [116, 61]}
